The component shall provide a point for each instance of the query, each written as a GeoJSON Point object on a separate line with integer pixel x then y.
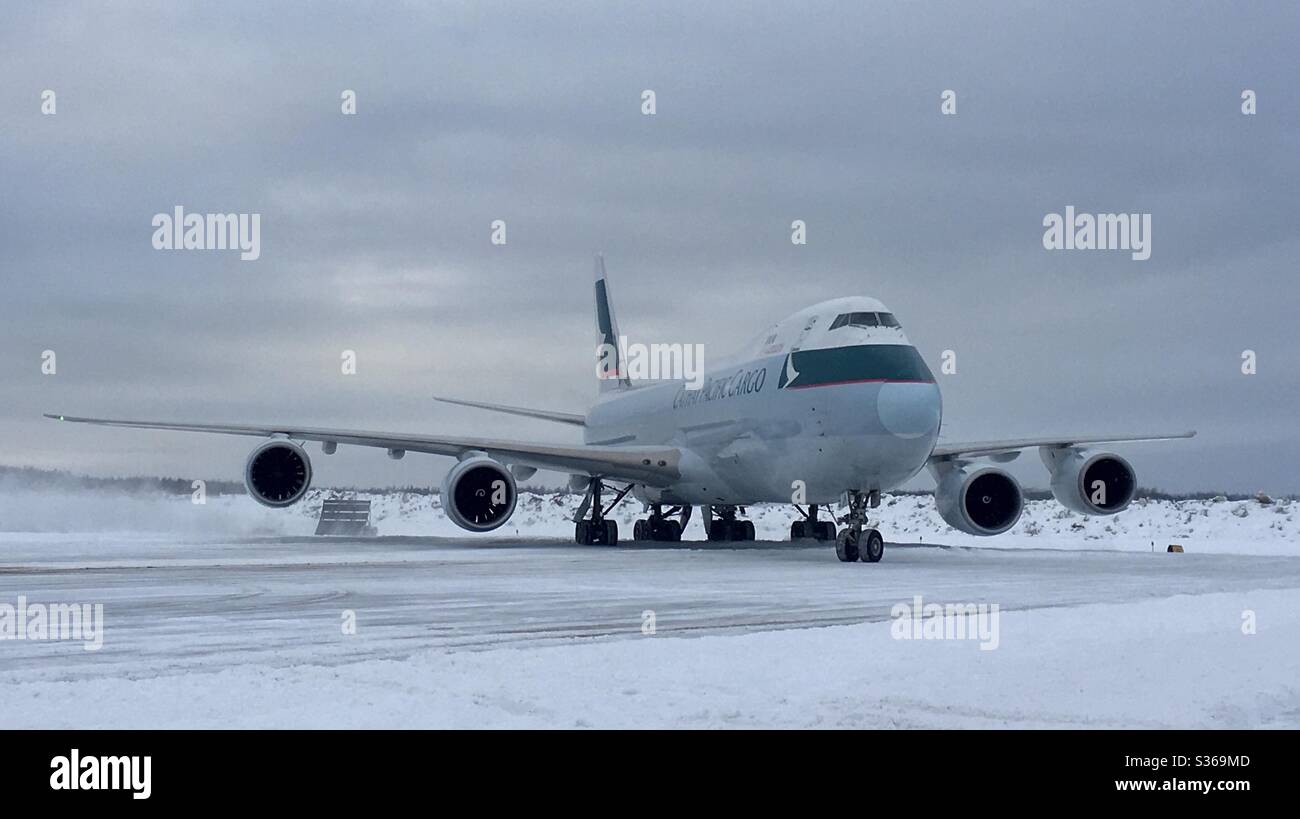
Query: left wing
{"type": "Point", "coordinates": [946, 451]}
{"type": "Point", "coordinates": [653, 465]}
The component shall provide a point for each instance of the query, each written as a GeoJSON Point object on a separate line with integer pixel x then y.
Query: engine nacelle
{"type": "Point", "coordinates": [479, 494]}
{"type": "Point", "coordinates": [979, 500]}
{"type": "Point", "coordinates": [277, 473]}
{"type": "Point", "coordinates": [1090, 483]}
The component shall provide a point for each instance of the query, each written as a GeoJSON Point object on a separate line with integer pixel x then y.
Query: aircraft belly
{"type": "Point", "coordinates": [821, 471]}
{"type": "Point", "coordinates": [753, 446]}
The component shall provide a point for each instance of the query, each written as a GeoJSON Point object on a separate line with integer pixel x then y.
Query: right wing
{"type": "Point", "coordinates": [652, 465]}
{"type": "Point", "coordinates": [945, 451]}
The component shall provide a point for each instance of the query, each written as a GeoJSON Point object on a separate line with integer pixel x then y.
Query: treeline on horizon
{"type": "Point", "coordinates": [28, 477]}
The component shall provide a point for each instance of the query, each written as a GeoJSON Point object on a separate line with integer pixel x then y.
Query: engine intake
{"type": "Point", "coordinates": [982, 501]}
{"type": "Point", "coordinates": [1090, 483]}
{"type": "Point", "coordinates": [277, 473]}
{"type": "Point", "coordinates": [479, 494]}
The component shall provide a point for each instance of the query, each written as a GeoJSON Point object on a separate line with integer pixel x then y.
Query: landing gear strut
{"type": "Point", "coordinates": [597, 530]}
{"type": "Point", "coordinates": [855, 542]}
{"type": "Point", "coordinates": [660, 525]}
{"type": "Point", "coordinates": [721, 524]}
{"type": "Point", "coordinates": [811, 527]}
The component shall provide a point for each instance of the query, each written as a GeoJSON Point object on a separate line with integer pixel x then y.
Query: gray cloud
{"type": "Point", "coordinates": [375, 227]}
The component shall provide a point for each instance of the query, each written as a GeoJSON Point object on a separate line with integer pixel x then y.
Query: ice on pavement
{"type": "Point", "coordinates": [1175, 662]}
{"type": "Point", "coordinates": [228, 615]}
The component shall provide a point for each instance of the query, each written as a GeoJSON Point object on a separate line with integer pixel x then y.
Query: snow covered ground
{"type": "Point", "coordinates": [1223, 526]}
{"type": "Point", "coordinates": [228, 615]}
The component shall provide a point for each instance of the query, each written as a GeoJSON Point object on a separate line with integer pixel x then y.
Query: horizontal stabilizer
{"type": "Point", "coordinates": [545, 415]}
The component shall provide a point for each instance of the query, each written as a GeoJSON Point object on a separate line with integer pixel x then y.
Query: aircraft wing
{"type": "Point", "coordinates": [946, 451]}
{"type": "Point", "coordinates": [656, 466]}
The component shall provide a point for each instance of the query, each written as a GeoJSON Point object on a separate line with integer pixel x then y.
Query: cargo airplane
{"type": "Point", "coordinates": [828, 407]}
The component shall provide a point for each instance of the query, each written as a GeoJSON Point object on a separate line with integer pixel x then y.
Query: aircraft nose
{"type": "Point", "coordinates": [909, 410]}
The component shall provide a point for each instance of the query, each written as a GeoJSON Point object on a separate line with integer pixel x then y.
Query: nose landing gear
{"type": "Point", "coordinates": [855, 542]}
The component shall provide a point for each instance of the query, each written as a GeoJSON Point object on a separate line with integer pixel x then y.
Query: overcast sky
{"type": "Point", "coordinates": [375, 229]}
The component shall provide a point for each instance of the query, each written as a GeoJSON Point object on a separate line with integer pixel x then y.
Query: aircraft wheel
{"type": "Point", "coordinates": [609, 532]}
{"type": "Point", "coordinates": [638, 530]}
{"type": "Point", "coordinates": [797, 530]}
{"type": "Point", "coordinates": [747, 530]}
{"type": "Point", "coordinates": [826, 530]}
{"type": "Point", "coordinates": [846, 545]}
{"type": "Point", "coordinates": [661, 529]}
{"type": "Point", "coordinates": [674, 531]}
{"type": "Point", "coordinates": [874, 548]}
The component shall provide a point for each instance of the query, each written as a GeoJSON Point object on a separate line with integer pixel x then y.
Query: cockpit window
{"type": "Point", "coordinates": [864, 320]}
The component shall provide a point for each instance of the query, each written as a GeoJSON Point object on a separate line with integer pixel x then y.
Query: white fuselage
{"type": "Point", "coordinates": [808, 408]}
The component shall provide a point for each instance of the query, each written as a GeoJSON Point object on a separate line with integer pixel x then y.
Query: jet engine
{"type": "Point", "coordinates": [979, 501]}
{"type": "Point", "coordinates": [479, 494]}
{"type": "Point", "coordinates": [1090, 483]}
{"type": "Point", "coordinates": [277, 473]}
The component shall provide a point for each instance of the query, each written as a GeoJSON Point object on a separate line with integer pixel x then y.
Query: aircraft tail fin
{"type": "Point", "coordinates": [609, 364]}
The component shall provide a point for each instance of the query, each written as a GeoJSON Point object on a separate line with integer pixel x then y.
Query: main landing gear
{"type": "Point", "coordinates": [660, 525]}
{"type": "Point", "coordinates": [721, 524]}
{"type": "Point", "coordinates": [597, 530]}
{"type": "Point", "coordinates": [811, 527]}
{"type": "Point", "coordinates": [856, 542]}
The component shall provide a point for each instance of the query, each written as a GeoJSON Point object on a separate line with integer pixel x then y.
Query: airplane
{"type": "Point", "coordinates": [830, 405]}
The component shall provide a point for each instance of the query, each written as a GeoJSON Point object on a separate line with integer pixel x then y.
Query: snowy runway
{"type": "Point", "coordinates": [250, 632]}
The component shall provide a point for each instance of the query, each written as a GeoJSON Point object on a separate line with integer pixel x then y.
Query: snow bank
{"type": "Point", "coordinates": [1237, 527]}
